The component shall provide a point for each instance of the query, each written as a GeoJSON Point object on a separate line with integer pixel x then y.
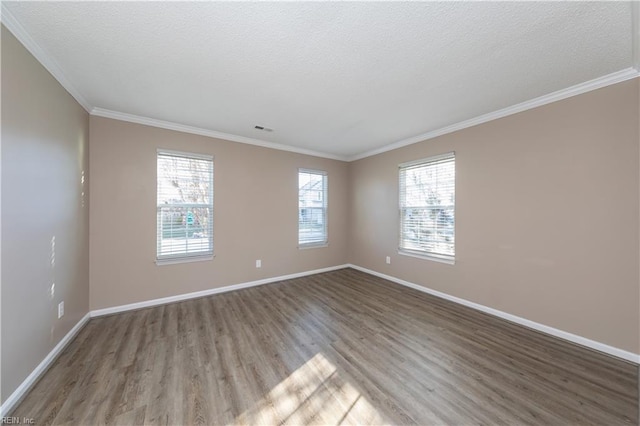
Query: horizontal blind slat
{"type": "Point", "coordinates": [185, 205]}
{"type": "Point", "coordinates": [427, 205]}
{"type": "Point", "coordinates": [312, 207]}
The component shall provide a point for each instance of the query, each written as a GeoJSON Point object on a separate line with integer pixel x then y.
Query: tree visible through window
{"type": "Point", "coordinates": [185, 205]}
{"type": "Point", "coordinates": [427, 207]}
{"type": "Point", "coordinates": [312, 207]}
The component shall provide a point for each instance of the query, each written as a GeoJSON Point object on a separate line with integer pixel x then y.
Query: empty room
{"type": "Point", "coordinates": [320, 213]}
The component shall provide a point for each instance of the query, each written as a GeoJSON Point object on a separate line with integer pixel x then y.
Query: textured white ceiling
{"type": "Point", "coordinates": [336, 78]}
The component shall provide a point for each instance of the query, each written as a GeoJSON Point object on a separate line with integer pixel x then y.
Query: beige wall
{"type": "Point", "coordinates": [547, 219]}
{"type": "Point", "coordinates": [546, 216]}
{"type": "Point", "coordinates": [44, 154]}
{"type": "Point", "coordinates": [255, 214]}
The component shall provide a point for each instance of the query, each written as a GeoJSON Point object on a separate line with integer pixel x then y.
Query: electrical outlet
{"type": "Point", "coordinates": [258, 263]}
{"type": "Point", "coordinates": [60, 309]}
{"type": "Point", "coordinates": [388, 260]}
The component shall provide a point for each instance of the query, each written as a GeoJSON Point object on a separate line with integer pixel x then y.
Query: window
{"type": "Point", "coordinates": [427, 207]}
{"type": "Point", "coordinates": [185, 206]}
{"type": "Point", "coordinates": [312, 208]}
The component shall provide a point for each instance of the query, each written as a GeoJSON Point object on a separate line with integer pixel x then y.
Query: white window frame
{"type": "Point", "coordinates": [162, 259]}
{"type": "Point", "coordinates": [445, 256]}
{"type": "Point", "coordinates": [324, 241]}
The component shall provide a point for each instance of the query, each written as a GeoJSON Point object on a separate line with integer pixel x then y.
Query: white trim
{"type": "Point", "coordinates": [197, 294]}
{"type": "Point", "coordinates": [425, 161]}
{"type": "Point", "coordinates": [183, 259]}
{"type": "Point", "coordinates": [312, 171]}
{"type": "Point", "coordinates": [41, 56]}
{"type": "Point", "coordinates": [449, 260]}
{"type": "Point", "coordinates": [312, 246]}
{"type": "Point", "coordinates": [635, 33]}
{"type": "Point", "coordinates": [32, 378]}
{"type": "Point", "coordinates": [184, 154]}
{"type": "Point", "coordinates": [131, 118]}
{"type": "Point", "coordinates": [578, 89]}
{"type": "Point", "coordinates": [574, 338]}
{"type": "Point", "coordinates": [21, 34]}
{"type": "Point", "coordinates": [26, 385]}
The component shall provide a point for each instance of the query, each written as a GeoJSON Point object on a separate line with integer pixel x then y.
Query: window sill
{"type": "Point", "coordinates": [312, 246]}
{"type": "Point", "coordinates": [434, 258]}
{"type": "Point", "coordinates": [174, 260]}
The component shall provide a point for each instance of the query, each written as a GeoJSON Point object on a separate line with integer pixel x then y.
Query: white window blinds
{"type": "Point", "coordinates": [185, 205]}
{"type": "Point", "coordinates": [312, 207]}
{"type": "Point", "coordinates": [427, 207]}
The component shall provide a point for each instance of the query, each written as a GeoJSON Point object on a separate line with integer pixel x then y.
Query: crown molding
{"type": "Point", "coordinates": [131, 118]}
{"type": "Point", "coordinates": [12, 24]}
{"type": "Point", "coordinates": [578, 89]}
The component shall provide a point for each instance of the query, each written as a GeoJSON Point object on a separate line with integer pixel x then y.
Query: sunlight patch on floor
{"type": "Point", "coordinates": [313, 394]}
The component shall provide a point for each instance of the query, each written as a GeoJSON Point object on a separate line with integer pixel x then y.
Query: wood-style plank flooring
{"type": "Point", "coordinates": [339, 347]}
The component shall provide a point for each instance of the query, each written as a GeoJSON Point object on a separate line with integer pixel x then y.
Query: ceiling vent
{"type": "Point", "coordinates": [266, 129]}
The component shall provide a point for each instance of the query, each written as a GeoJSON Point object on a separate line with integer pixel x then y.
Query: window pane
{"type": "Point", "coordinates": [184, 180]}
{"type": "Point", "coordinates": [185, 206]}
{"type": "Point", "coordinates": [427, 207]}
{"type": "Point", "coordinates": [312, 207]}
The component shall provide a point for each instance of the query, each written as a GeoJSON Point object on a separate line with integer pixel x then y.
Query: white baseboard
{"type": "Point", "coordinates": [574, 338]}
{"type": "Point", "coordinates": [26, 385]}
{"type": "Point", "coordinates": [195, 295]}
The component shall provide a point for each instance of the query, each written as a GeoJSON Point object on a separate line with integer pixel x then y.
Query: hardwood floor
{"type": "Point", "coordinates": [339, 347]}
